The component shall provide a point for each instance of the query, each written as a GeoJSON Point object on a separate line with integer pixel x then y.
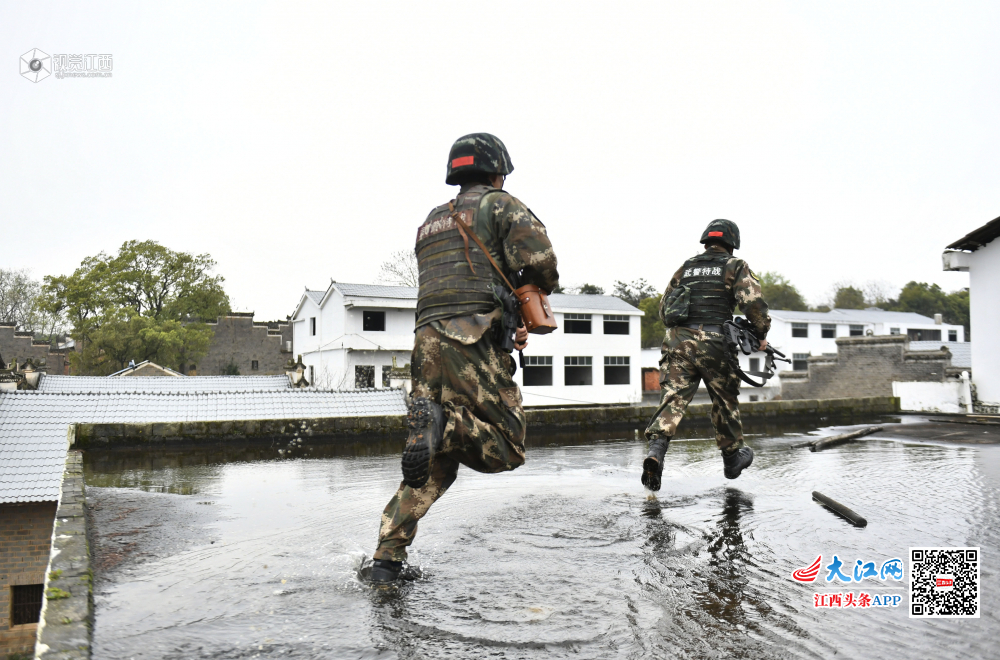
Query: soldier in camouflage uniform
{"type": "Point", "coordinates": [465, 408]}
{"type": "Point", "coordinates": [700, 298]}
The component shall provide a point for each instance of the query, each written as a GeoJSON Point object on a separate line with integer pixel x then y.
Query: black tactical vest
{"type": "Point", "coordinates": [704, 275]}
{"type": "Point", "coordinates": [448, 286]}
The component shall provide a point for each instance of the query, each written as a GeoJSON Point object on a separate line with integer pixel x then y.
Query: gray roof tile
{"type": "Point", "coordinates": [961, 351]}
{"type": "Point", "coordinates": [164, 384]}
{"type": "Point", "coordinates": [33, 425]}
{"type": "Point", "coordinates": [377, 291]}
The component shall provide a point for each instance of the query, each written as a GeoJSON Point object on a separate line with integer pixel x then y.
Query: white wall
{"type": "Point", "coordinates": [597, 346]}
{"type": "Point", "coordinates": [930, 397]}
{"type": "Point", "coordinates": [984, 307]}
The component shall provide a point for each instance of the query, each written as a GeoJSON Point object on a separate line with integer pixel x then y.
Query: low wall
{"type": "Point", "coordinates": [97, 436]}
{"type": "Point", "coordinates": [64, 630]}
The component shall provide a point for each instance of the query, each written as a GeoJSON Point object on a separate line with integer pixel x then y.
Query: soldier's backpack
{"type": "Point", "coordinates": [674, 310]}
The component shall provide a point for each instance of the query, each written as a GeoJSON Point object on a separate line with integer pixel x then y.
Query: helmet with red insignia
{"type": "Point", "coordinates": [722, 231]}
{"type": "Point", "coordinates": [478, 153]}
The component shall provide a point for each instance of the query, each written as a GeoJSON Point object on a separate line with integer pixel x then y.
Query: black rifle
{"type": "Point", "coordinates": [739, 336]}
{"type": "Point", "coordinates": [509, 322]}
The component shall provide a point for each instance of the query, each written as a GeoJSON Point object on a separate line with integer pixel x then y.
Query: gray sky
{"type": "Point", "coordinates": [297, 142]}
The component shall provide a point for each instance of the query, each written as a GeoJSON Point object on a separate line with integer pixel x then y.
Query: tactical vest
{"type": "Point", "coordinates": [704, 275]}
{"type": "Point", "coordinates": [448, 286]}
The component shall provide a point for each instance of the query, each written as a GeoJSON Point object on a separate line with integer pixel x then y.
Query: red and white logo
{"type": "Point", "coordinates": [808, 574]}
{"type": "Point", "coordinates": [944, 582]}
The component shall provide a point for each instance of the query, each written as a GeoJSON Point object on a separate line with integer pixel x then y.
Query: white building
{"type": "Point", "coordinates": [801, 334]}
{"type": "Point", "coordinates": [594, 356]}
{"type": "Point", "coordinates": [348, 335]}
{"type": "Point", "coordinates": [978, 253]}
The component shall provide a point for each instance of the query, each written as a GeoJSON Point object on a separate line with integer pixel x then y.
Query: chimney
{"type": "Point", "coordinates": [938, 319]}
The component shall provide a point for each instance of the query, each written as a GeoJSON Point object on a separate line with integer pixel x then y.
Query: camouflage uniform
{"type": "Point", "coordinates": [456, 362]}
{"type": "Point", "coordinates": [690, 355]}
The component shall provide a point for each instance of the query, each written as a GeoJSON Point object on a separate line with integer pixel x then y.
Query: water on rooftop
{"type": "Point", "coordinates": [243, 553]}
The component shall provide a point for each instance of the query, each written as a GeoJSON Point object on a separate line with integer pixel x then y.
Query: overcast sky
{"type": "Point", "coordinates": [300, 142]}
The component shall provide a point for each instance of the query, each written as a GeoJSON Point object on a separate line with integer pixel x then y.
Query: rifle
{"type": "Point", "coordinates": [739, 335]}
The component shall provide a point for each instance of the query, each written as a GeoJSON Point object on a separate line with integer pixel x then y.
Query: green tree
{"type": "Point", "coordinates": [652, 326]}
{"type": "Point", "coordinates": [145, 303]}
{"type": "Point", "coordinates": [635, 292]}
{"type": "Point", "coordinates": [848, 297]}
{"type": "Point", "coordinates": [591, 290]}
{"type": "Point", "coordinates": [779, 293]}
{"type": "Point", "coordinates": [930, 299]}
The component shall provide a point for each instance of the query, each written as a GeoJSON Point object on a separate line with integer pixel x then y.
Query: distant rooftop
{"type": "Point", "coordinates": [961, 351]}
{"type": "Point", "coordinates": [564, 301]}
{"type": "Point", "coordinates": [853, 315]}
{"type": "Point", "coordinates": [377, 290]}
{"type": "Point", "coordinates": [34, 424]}
{"type": "Point", "coordinates": [85, 384]}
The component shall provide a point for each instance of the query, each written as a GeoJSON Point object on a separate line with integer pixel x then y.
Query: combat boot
{"type": "Point", "coordinates": [425, 420]}
{"type": "Point", "coordinates": [652, 467]}
{"type": "Point", "coordinates": [737, 461]}
{"type": "Point", "coordinates": [384, 571]}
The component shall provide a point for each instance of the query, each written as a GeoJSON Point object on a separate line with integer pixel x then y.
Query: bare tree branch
{"type": "Point", "coordinates": [400, 269]}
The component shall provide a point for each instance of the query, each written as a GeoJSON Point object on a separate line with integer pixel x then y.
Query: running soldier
{"type": "Point", "coordinates": [465, 408]}
{"type": "Point", "coordinates": [700, 298]}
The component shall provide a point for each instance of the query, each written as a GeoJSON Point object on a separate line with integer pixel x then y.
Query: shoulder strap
{"type": "Point", "coordinates": [462, 225]}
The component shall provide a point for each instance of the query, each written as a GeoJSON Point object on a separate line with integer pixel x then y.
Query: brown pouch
{"type": "Point", "coordinates": [535, 310]}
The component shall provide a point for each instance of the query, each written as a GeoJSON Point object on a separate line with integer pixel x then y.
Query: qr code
{"type": "Point", "coordinates": [944, 582]}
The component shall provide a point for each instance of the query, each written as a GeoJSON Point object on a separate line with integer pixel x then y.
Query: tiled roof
{"type": "Point", "coordinates": [961, 351]}
{"type": "Point", "coordinates": [33, 425]}
{"type": "Point", "coordinates": [315, 296]}
{"type": "Point", "coordinates": [978, 237]}
{"type": "Point", "coordinates": [853, 316]}
{"type": "Point", "coordinates": [564, 301]}
{"type": "Point", "coordinates": [377, 291]}
{"type": "Point", "coordinates": [84, 384]}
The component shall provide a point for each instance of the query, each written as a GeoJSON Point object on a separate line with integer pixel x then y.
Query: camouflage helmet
{"type": "Point", "coordinates": [723, 231]}
{"type": "Point", "coordinates": [478, 152]}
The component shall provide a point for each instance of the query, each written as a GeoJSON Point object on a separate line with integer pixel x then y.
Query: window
{"type": "Point", "coordinates": [616, 370]}
{"type": "Point", "coordinates": [26, 604]}
{"type": "Point", "coordinates": [385, 374]}
{"type": "Point", "coordinates": [537, 370]}
{"type": "Point", "coordinates": [253, 365]}
{"type": "Point", "coordinates": [893, 331]}
{"type": "Point", "coordinates": [615, 324]}
{"type": "Point", "coordinates": [754, 364]}
{"type": "Point", "coordinates": [953, 335]}
{"type": "Point", "coordinates": [364, 376]}
{"type": "Point", "coordinates": [800, 362]}
{"type": "Point", "coordinates": [857, 330]}
{"type": "Point", "coordinates": [576, 324]}
{"type": "Point", "coordinates": [800, 329]}
{"type": "Point", "coordinates": [373, 321]}
{"type": "Point", "coordinates": [829, 330]}
{"type": "Point", "coordinates": [755, 397]}
{"type": "Point", "coordinates": [312, 325]}
{"type": "Point", "coordinates": [578, 370]}
{"type": "Point", "coordinates": [312, 376]}
{"type": "Point", "coordinates": [924, 335]}
{"type": "Point", "coordinates": [192, 370]}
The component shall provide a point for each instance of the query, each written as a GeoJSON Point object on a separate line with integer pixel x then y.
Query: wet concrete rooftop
{"type": "Point", "coordinates": [243, 553]}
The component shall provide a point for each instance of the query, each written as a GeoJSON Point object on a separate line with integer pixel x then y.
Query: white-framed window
{"type": "Point", "coordinates": [578, 370]}
{"type": "Point", "coordinates": [893, 331]}
{"type": "Point", "coordinates": [828, 330]}
{"type": "Point", "coordinates": [800, 361]}
{"type": "Point", "coordinates": [857, 330]}
{"type": "Point", "coordinates": [537, 370]}
{"type": "Point", "coordinates": [800, 329]}
{"type": "Point", "coordinates": [953, 335]}
{"type": "Point", "coordinates": [615, 324]}
{"type": "Point", "coordinates": [312, 326]}
{"type": "Point", "coordinates": [616, 370]}
{"type": "Point", "coordinates": [372, 321]}
{"type": "Point", "coordinates": [576, 324]}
